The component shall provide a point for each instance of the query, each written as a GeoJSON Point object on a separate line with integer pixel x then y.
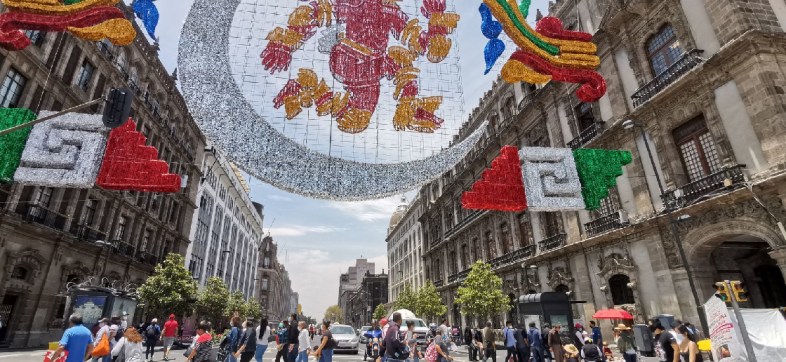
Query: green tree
{"type": "Point", "coordinates": [380, 312]}
{"type": "Point", "coordinates": [253, 309]}
{"type": "Point", "coordinates": [334, 314]}
{"type": "Point", "coordinates": [212, 301]}
{"type": "Point", "coordinates": [171, 288]}
{"type": "Point", "coordinates": [480, 295]}
{"type": "Point", "coordinates": [407, 299]}
{"type": "Point", "coordinates": [429, 303]}
{"type": "Point", "coordinates": [236, 304]}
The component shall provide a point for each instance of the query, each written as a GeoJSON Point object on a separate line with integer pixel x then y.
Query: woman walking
{"type": "Point", "coordinates": [129, 347]}
{"type": "Point", "coordinates": [689, 351]}
{"type": "Point", "coordinates": [625, 343]}
{"type": "Point", "coordinates": [263, 335]}
{"type": "Point", "coordinates": [324, 352]}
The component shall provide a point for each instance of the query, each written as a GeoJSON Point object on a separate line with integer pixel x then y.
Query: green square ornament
{"type": "Point", "coordinates": [12, 144]}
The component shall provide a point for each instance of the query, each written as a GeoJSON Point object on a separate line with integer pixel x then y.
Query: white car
{"type": "Point", "coordinates": [420, 327]}
{"type": "Point", "coordinates": [346, 337]}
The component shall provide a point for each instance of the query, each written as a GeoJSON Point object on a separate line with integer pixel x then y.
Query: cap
{"type": "Point", "coordinates": [621, 327]}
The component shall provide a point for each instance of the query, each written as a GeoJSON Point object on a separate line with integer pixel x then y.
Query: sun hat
{"type": "Point", "coordinates": [621, 327]}
{"type": "Point", "coordinates": [571, 349]}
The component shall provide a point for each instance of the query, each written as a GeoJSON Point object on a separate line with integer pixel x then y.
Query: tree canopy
{"type": "Point", "coordinates": [171, 288]}
{"type": "Point", "coordinates": [429, 303]}
{"type": "Point", "coordinates": [213, 300]}
{"type": "Point", "coordinates": [380, 312]}
{"type": "Point", "coordinates": [334, 314]}
{"type": "Point", "coordinates": [480, 295]}
{"type": "Point", "coordinates": [407, 299]}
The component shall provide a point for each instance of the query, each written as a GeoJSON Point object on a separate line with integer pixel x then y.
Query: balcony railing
{"type": "Point", "coordinates": [613, 221]}
{"type": "Point", "coordinates": [87, 233]}
{"type": "Point", "coordinates": [459, 277]}
{"type": "Point", "coordinates": [553, 242]}
{"type": "Point", "coordinates": [727, 179]}
{"type": "Point", "coordinates": [147, 258]}
{"type": "Point", "coordinates": [439, 283]}
{"type": "Point", "coordinates": [46, 217]}
{"type": "Point", "coordinates": [688, 61]}
{"type": "Point", "coordinates": [586, 135]}
{"type": "Point", "coordinates": [124, 249]}
{"type": "Point", "coordinates": [513, 257]}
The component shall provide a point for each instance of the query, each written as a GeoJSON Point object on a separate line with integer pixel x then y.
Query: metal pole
{"type": "Point", "coordinates": [676, 234]}
{"type": "Point", "coordinates": [58, 114]}
{"type": "Point", "coordinates": [741, 322]}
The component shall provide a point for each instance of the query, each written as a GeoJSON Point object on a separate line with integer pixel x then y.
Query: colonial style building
{"type": "Point", "coordinates": [373, 291]}
{"type": "Point", "coordinates": [275, 288]}
{"type": "Point", "coordinates": [50, 237]}
{"type": "Point", "coordinates": [405, 247]}
{"type": "Point", "coordinates": [696, 93]}
{"type": "Point", "coordinates": [226, 231]}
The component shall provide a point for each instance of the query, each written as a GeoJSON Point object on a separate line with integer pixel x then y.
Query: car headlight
{"type": "Point", "coordinates": [354, 340]}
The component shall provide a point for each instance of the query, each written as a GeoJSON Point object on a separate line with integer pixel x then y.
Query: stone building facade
{"type": "Point", "coordinates": [703, 83]}
{"type": "Point", "coordinates": [49, 237]}
{"type": "Point", "coordinates": [350, 281]}
{"type": "Point", "coordinates": [226, 230]}
{"type": "Point", "coordinates": [373, 291]}
{"type": "Point", "coordinates": [275, 288]}
{"type": "Point", "coordinates": [405, 245]}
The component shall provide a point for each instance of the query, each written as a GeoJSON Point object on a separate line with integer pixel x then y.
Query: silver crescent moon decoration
{"type": "Point", "coordinates": [225, 116]}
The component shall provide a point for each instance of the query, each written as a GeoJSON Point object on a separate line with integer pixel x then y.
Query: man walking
{"type": "Point", "coordinates": [555, 343]}
{"type": "Point", "coordinates": [152, 335]}
{"type": "Point", "coordinates": [535, 342]}
{"type": "Point", "coordinates": [510, 342]}
{"type": "Point", "coordinates": [170, 332]}
{"type": "Point", "coordinates": [394, 349]}
{"type": "Point", "coordinates": [77, 341]}
{"type": "Point", "coordinates": [490, 343]}
{"type": "Point", "coordinates": [596, 336]}
{"type": "Point", "coordinates": [292, 335]}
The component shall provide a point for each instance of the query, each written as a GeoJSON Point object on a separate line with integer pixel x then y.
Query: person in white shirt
{"type": "Point", "coordinates": [304, 342]}
{"type": "Point", "coordinates": [263, 335]}
{"type": "Point", "coordinates": [103, 331]}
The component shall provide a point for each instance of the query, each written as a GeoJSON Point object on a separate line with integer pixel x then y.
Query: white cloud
{"type": "Point", "coordinates": [369, 211]}
{"type": "Point", "coordinates": [301, 230]}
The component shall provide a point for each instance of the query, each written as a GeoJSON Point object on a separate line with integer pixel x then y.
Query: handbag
{"type": "Point", "coordinates": [102, 348]}
{"type": "Point", "coordinates": [188, 351]}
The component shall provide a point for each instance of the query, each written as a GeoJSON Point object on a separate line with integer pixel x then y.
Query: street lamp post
{"type": "Point", "coordinates": [629, 124]}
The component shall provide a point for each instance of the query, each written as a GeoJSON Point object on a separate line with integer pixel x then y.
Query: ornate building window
{"type": "Point", "coordinates": [663, 49]}
{"type": "Point", "coordinates": [491, 246]}
{"type": "Point", "coordinates": [525, 230]}
{"type": "Point", "coordinates": [453, 263]}
{"type": "Point", "coordinates": [551, 224]}
{"type": "Point", "coordinates": [697, 149]}
{"type": "Point", "coordinates": [621, 293]}
{"type": "Point", "coordinates": [584, 117]}
{"type": "Point", "coordinates": [19, 273]}
{"type": "Point", "coordinates": [507, 241]}
{"type": "Point", "coordinates": [12, 88]}
{"type": "Point", "coordinates": [465, 262]}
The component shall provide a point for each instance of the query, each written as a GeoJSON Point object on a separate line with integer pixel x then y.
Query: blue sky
{"type": "Point", "coordinates": [319, 239]}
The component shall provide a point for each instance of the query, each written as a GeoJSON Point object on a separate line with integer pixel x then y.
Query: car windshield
{"type": "Point", "coordinates": [418, 323]}
{"type": "Point", "coordinates": [342, 330]}
{"type": "Point", "coordinates": [365, 328]}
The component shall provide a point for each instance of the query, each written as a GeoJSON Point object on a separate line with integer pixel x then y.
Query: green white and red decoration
{"type": "Point", "coordinates": [549, 179]}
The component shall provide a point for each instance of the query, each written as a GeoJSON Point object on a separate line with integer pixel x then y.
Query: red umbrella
{"type": "Point", "coordinates": [612, 314]}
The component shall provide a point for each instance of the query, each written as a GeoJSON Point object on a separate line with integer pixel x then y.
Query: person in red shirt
{"type": "Point", "coordinates": [170, 332]}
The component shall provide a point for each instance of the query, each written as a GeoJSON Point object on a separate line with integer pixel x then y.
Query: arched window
{"type": "Point", "coordinates": [19, 273]}
{"type": "Point", "coordinates": [562, 288]}
{"type": "Point", "coordinates": [663, 49]}
{"type": "Point", "coordinates": [620, 291]}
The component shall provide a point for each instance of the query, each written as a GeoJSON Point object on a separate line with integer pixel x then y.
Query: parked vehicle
{"type": "Point", "coordinates": [346, 337]}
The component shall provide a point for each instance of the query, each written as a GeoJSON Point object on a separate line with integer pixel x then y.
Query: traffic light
{"type": "Point", "coordinates": [738, 288]}
{"type": "Point", "coordinates": [722, 291]}
{"type": "Point", "coordinates": [118, 107]}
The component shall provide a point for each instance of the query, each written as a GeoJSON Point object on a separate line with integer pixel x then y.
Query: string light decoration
{"type": "Point", "coordinates": [13, 144]}
{"type": "Point", "coordinates": [360, 58]}
{"type": "Point", "coordinates": [147, 11]}
{"type": "Point", "coordinates": [598, 171]}
{"type": "Point", "coordinates": [92, 20]}
{"type": "Point", "coordinates": [501, 187]}
{"type": "Point", "coordinates": [63, 152]}
{"type": "Point", "coordinates": [130, 165]}
{"type": "Point", "coordinates": [546, 53]}
{"type": "Point", "coordinates": [227, 116]}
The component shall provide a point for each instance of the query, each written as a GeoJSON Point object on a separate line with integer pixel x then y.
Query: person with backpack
{"type": "Point", "coordinates": [170, 333]}
{"type": "Point", "coordinates": [535, 343]}
{"type": "Point", "coordinates": [263, 338]}
{"type": "Point", "coordinates": [233, 339]}
{"type": "Point", "coordinates": [324, 352]}
{"type": "Point", "coordinates": [203, 344]}
{"type": "Point", "coordinates": [247, 343]}
{"type": "Point", "coordinates": [590, 352]}
{"type": "Point", "coordinates": [394, 348]}
{"type": "Point", "coordinates": [129, 346]}
{"type": "Point", "coordinates": [282, 340]}
{"type": "Point", "coordinates": [152, 335]}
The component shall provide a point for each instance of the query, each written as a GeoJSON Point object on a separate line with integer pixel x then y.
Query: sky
{"type": "Point", "coordinates": [317, 239]}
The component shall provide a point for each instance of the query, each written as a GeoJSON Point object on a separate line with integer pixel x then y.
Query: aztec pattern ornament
{"type": "Point", "coordinates": [64, 152]}
{"type": "Point", "coordinates": [92, 20]}
{"type": "Point", "coordinates": [553, 179]}
{"type": "Point", "coordinates": [360, 58]}
{"type": "Point", "coordinates": [546, 53]}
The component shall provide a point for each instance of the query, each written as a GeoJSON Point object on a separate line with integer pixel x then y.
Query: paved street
{"type": "Point", "coordinates": [38, 356]}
